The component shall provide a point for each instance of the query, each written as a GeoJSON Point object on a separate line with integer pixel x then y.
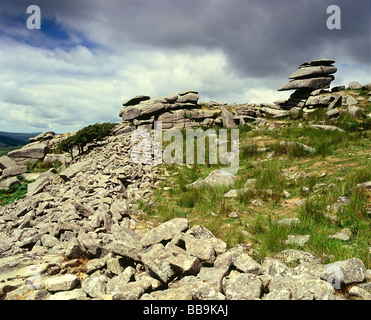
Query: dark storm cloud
{"type": "Point", "coordinates": [260, 38]}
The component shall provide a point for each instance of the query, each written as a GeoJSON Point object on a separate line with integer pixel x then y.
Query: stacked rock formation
{"type": "Point", "coordinates": [310, 76]}
{"type": "Point", "coordinates": [179, 111]}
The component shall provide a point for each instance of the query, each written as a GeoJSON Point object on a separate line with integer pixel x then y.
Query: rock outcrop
{"type": "Point", "coordinates": [179, 111]}
{"type": "Point", "coordinates": [310, 76]}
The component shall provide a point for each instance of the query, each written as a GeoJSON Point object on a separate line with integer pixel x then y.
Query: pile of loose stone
{"type": "Point", "coordinates": [78, 235]}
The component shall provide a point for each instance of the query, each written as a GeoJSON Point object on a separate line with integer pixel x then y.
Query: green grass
{"type": "Point", "coordinates": [15, 192]}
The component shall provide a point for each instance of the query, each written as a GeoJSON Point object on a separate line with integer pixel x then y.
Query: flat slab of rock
{"type": "Point", "coordinates": [62, 283]}
{"type": "Point", "coordinates": [227, 118]}
{"type": "Point", "coordinates": [215, 178]}
{"type": "Point", "coordinates": [313, 71]}
{"type": "Point", "coordinates": [165, 231]}
{"type": "Point", "coordinates": [326, 127]}
{"type": "Point", "coordinates": [29, 153]}
{"type": "Point", "coordinates": [314, 83]}
{"type": "Point", "coordinates": [74, 169]}
{"type": "Point", "coordinates": [14, 171]}
{"type": "Point", "coordinates": [135, 100]}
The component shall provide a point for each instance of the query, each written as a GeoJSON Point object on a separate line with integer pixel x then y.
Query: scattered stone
{"type": "Point", "coordinates": [354, 85]}
{"type": "Point", "coordinates": [227, 118]}
{"type": "Point", "coordinates": [7, 183]}
{"type": "Point", "coordinates": [62, 283]}
{"type": "Point", "coordinates": [297, 240]}
{"type": "Point", "coordinates": [344, 235]}
{"type": "Point", "coordinates": [325, 127]}
{"type": "Point", "coordinates": [165, 231]}
{"type": "Point", "coordinates": [357, 292]}
{"type": "Point", "coordinates": [242, 287]}
{"type": "Point", "coordinates": [289, 222]}
{"type": "Point", "coordinates": [215, 178]}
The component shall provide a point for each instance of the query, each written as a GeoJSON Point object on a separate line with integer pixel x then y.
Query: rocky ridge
{"type": "Point", "coordinates": [78, 235]}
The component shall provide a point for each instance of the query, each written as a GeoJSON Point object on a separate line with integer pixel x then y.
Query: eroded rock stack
{"type": "Point", "coordinates": [179, 111]}
{"type": "Point", "coordinates": [310, 76]}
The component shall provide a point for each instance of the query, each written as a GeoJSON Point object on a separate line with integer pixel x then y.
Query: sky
{"type": "Point", "coordinates": [91, 55]}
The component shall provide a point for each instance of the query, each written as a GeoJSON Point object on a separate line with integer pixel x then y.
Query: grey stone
{"type": "Point", "coordinates": [215, 178]}
{"type": "Point", "coordinates": [273, 267]}
{"type": "Point", "coordinates": [76, 294]}
{"type": "Point", "coordinates": [314, 71]}
{"type": "Point", "coordinates": [188, 98]}
{"type": "Point", "coordinates": [313, 83]}
{"type": "Point", "coordinates": [41, 182]}
{"type": "Point", "coordinates": [185, 264]}
{"type": "Point", "coordinates": [357, 292]}
{"type": "Point", "coordinates": [62, 283]}
{"type": "Point", "coordinates": [200, 249]}
{"type": "Point", "coordinates": [128, 249]}
{"type": "Point", "coordinates": [247, 264]}
{"type": "Point", "coordinates": [333, 113]}
{"type": "Point", "coordinates": [355, 111]}
{"type": "Point", "coordinates": [229, 257]}
{"type": "Point", "coordinates": [14, 171]}
{"type": "Point", "coordinates": [7, 183]}
{"type": "Point", "coordinates": [213, 277]}
{"type": "Point", "coordinates": [156, 263]}
{"type": "Point", "coordinates": [29, 153]}
{"type": "Point", "coordinates": [318, 62]}
{"type": "Point", "coordinates": [7, 162]}
{"type": "Point", "coordinates": [132, 290]}
{"type": "Point", "coordinates": [75, 250]}
{"type": "Point", "coordinates": [295, 256]}
{"type": "Point", "coordinates": [297, 240]}
{"type": "Point", "coordinates": [345, 272]}
{"type": "Point", "coordinates": [296, 113]}
{"type": "Point", "coordinates": [74, 169]}
{"type": "Point", "coordinates": [95, 286]}
{"type": "Point", "coordinates": [349, 101]}
{"type": "Point", "coordinates": [242, 287]}
{"type": "Point", "coordinates": [165, 231]}
{"type": "Point", "coordinates": [325, 127]}
{"type": "Point", "coordinates": [275, 113]}
{"type": "Point", "coordinates": [364, 185]}
{"type": "Point", "coordinates": [354, 85]}
{"type": "Point", "coordinates": [135, 100]}
{"type": "Point", "coordinates": [181, 293]}
{"type": "Point", "coordinates": [227, 118]}
{"type": "Point", "coordinates": [303, 287]}
{"type": "Point", "coordinates": [43, 136]}
{"type": "Point", "coordinates": [297, 144]}
{"type": "Point", "coordinates": [289, 222]}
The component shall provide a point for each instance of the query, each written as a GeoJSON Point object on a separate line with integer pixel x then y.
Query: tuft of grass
{"type": "Point", "coordinates": [15, 192]}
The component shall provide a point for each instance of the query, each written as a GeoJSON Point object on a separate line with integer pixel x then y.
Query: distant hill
{"type": "Point", "coordinates": [13, 139]}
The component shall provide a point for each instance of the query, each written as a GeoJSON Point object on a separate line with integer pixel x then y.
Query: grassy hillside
{"type": "Point", "coordinates": [318, 188]}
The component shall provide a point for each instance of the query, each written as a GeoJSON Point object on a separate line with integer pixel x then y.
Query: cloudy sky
{"type": "Point", "coordinates": [90, 55]}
